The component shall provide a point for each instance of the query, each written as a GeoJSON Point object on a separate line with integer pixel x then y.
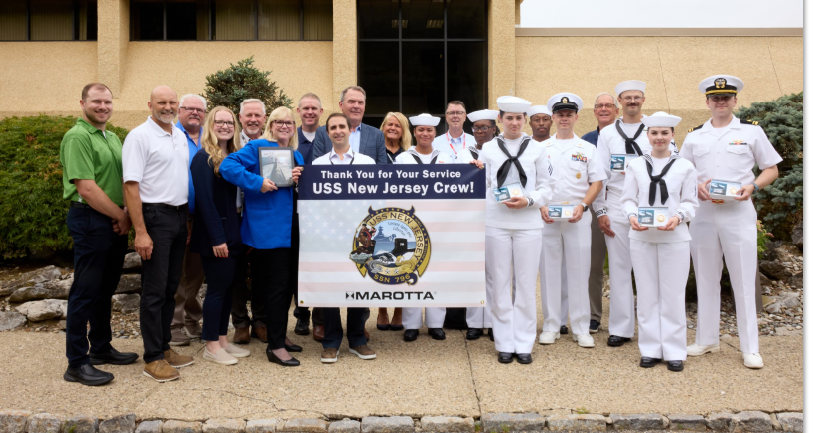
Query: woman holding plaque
{"type": "Point", "coordinates": [658, 207]}
{"type": "Point", "coordinates": [518, 183]}
{"type": "Point", "coordinates": [270, 222]}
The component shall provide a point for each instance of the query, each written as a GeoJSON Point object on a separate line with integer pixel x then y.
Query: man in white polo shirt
{"type": "Point", "coordinates": [454, 141]}
{"type": "Point", "coordinates": [155, 161]}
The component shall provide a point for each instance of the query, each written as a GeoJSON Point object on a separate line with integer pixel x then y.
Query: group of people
{"type": "Point", "coordinates": [193, 191]}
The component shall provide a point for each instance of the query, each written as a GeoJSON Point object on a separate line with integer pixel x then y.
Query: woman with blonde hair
{"type": "Point", "coordinates": [281, 128]}
{"type": "Point", "coordinates": [396, 137]}
{"type": "Point", "coordinates": [216, 232]}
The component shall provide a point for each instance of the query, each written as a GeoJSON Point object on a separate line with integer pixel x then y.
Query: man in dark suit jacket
{"type": "Point", "coordinates": [364, 139]}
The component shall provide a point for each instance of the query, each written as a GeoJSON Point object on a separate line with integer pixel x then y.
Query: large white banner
{"type": "Point", "coordinates": [392, 236]}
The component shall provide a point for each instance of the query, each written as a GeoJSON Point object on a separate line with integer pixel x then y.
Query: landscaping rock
{"type": "Point", "coordinates": [224, 426]}
{"type": "Point", "coordinates": [752, 421]}
{"type": "Point", "coordinates": [261, 426]}
{"type": "Point", "coordinates": [686, 422]}
{"type": "Point", "coordinates": [515, 422]}
{"type": "Point", "coordinates": [118, 424]}
{"type": "Point", "coordinates": [388, 424]}
{"type": "Point", "coordinates": [304, 425]}
{"type": "Point", "coordinates": [127, 304]}
{"type": "Point", "coordinates": [13, 421]}
{"type": "Point", "coordinates": [797, 280]}
{"type": "Point", "coordinates": [153, 426]}
{"type": "Point", "coordinates": [11, 320]}
{"type": "Point", "coordinates": [797, 236]}
{"type": "Point", "coordinates": [132, 263]}
{"type": "Point", "coordinates": [763, 280]}
{"type": "Point", "coordinates": [80, 424]}
{"type": "Point", "coordinates": [44, 423]}
{"type": "Point", "coordinates": [26, 294]}
{"type": "Point", "coordinates": [790, 421]}
{"type": "Point", "coordinates": [175, 426]}
{"type": "Point", "coordinates": [31, 278]}
{"type": "Point", "coordinates": [650, 421]}
{"type": "Point", "coordinates": [721, 421]}
{"type": "Point", "coordinates": [577, 422]}
{"type": "Point", "coordinates": [129, 283]}
{"type": "Point", "coordinates": [344, 426]}
{"type": "Point", "coordinates": [774, 269]}
{"type": "Point", "coordinates": [37, 311]}
{"type": "Point", "coordinates": [446, 424]}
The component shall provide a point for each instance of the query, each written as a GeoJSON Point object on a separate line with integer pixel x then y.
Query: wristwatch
{"type": "Point", "coordinates": [756, 187]}
{"type": "Point", "coordinates": [584, 205]}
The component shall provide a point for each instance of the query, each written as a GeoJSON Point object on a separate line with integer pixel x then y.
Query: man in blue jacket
{"type": "Point", "coordinates": [364, 139]}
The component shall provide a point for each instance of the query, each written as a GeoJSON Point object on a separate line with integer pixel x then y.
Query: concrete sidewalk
{"type": "Point", "coordinates": [454, 377]}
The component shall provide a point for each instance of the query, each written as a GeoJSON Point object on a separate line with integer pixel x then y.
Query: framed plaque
{"type": "Point", "coordinates": [277, 164]}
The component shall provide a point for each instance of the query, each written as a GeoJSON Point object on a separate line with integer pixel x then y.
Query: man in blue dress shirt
{"type": "Point", "coordinates": [364, 139]}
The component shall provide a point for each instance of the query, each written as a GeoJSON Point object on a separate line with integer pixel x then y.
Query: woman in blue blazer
{"type": "Point", "coordinates": [271, 226]}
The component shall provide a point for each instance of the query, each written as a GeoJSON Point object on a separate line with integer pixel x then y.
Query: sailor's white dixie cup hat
{"type": "Point", "coordinates": [539, 109]}
{"type": "Point", "coordinates": [661, 120]}
{"type": "Point", "coordinates": [483, 115]}
{"type": "Point", "coordinates": [630, 85]}
{"type": "Point", "coordinates": [424, 120]}
{"type": "Point", "coordinates": [512, 104]}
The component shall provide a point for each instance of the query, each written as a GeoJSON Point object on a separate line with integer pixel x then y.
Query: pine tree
{"type": "Point", "coordinates": [243, 81]}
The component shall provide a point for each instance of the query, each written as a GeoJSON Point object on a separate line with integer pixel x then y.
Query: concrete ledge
{"type": "Point", "coordinates": [687, 422]}
{"type": "Point", "coordinates": [513, 422]}
{"type": "Point", "coordinates": [643, 422]}
{"type": "Point", "coordinates": [791, 421]}
{"type": "Point", "coordinates": [447, 424]}
{"type": "Point", "coordinates": [577, 422]}
{"type": "Point", "coordinates": [303, 425]}
{"type": "Point", "coordinates": [387, 424]}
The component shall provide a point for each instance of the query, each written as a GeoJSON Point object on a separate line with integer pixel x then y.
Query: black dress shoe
{"type": "Point", "coordinates": [491, 334]}
{"type": "Point", "coordinates": [301, 327]}
{"type": "Point", "coordinates": [87, 375]}
{"type": "Point", "coordinates": [474, 334]}
{"type": "Point", "coordinates": [410, 335]}
{"type": "Point", "coordinates": [616, 341]}
{"type": "Point", "coordinates": [293, 348]}
{"type": "Point", "coordinates": [382, 327]}
{"type": "Point", "coordinates": [563, 330]}
{"type": "Point", "coordinates": [594, 326]}
{"type": "Point", "coordinates": [437, 333]}
{"type": "Point", "coordinates": [649, 362]}
{"type": "Point", "coordinates": [293, 362]}
{"type": "Point", "coordinates": [674, 365]}
{"type": "Point", "coordinates": [505, 358]}
{"type": "Point", "coordinates": [113, 357]}
{"type": "Point", "coordinates": [524, 358]}
{"type": "Point", "coordinates": [396, 327]}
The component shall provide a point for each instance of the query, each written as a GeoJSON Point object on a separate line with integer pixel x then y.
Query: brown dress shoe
{"type": "Point", "coordinates": [161, 371]}
{"type": "Point", "coordinates": [363, 352]}
{"type": "Point", "coordinates": [177, 360]}
{"type": "Point", "coordinates": [241, 336]}
{"type": "Point", "coordinates": [261, 332]}
{"type": "Point", "coordinates": [319, 332]}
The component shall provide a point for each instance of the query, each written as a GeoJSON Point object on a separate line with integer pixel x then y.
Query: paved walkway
{"type": "Point", "coordinates": [452, 377]}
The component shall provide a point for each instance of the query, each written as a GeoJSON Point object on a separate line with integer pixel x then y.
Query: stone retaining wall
{"type": "Point", "coordinates": [18, 421]}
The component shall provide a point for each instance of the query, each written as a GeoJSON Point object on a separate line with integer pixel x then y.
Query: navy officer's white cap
{"type": "Point", "coordinates": [721, 85]}
{"type": "Point", "coordinates": [539, 109]}
{"type": "Point", "coordinates": [512, 104]}
{"type": "Point", "coordinates": [424, 120]}
{"type": "Point", "coordinates": [483, 115]}
{"type": "Point", "coordinates": [564, 101]}
{"type": "Point", "coordinates": [630, 85]}
{"type": "Point", "coordinates": [661, 120]}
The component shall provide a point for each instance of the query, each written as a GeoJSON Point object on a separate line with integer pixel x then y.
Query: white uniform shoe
{"type": "Point", "coordinates": [752, 360]}
{"type": "Point", "coordinates": [697, 350]}
{"type": "Point", "coordinates": [584, 340]}
{"type": "Point", "coordinates": [548, 337]}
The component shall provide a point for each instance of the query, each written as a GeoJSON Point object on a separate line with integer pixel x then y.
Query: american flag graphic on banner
{"type": "Point", "coordinates": [397, 236]}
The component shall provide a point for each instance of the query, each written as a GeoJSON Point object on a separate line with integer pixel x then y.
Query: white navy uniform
{"type": "Point", "coordinates": [661, 258]}
{"type": "Point", "coordinates": [575, 167]}
{"type": "Point", "coordinates": [454, 147]}
{"type": "Point", "coordinates": [727, 229]}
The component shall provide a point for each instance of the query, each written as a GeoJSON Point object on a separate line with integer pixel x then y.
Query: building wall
{"type": "Point", "coordinates": [672, 67]}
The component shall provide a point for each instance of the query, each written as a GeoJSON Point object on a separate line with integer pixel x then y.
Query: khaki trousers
{"type": "Point", "coordinates": [188, 305]}
{"type": "Point", "coordinates": [595, 285]}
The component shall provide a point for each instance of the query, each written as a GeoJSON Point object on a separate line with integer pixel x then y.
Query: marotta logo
{"type": "Point", "coordinates": [395, 296]}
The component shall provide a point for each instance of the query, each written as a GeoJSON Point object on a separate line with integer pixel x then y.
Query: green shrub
{"type": "Point", "coordinates": [779, 205]}
{"type": "Point", "coordinates": [32, 210]}
{"type": "Point", "coordinates": [244, 81]}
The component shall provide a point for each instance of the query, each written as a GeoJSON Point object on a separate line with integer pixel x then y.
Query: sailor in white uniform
{"type": "Point", "coordinates": [579, 178]}
{"type": "Point", "coordinates": [517, 176]}
{"type": "Point", "coordinates": [423, 153]}
{"type": "Point", "coordinates": [626, 137]}
{"type": "Point", "coordinates": [660, 189]}
{"type": "Point", "coordinates": [454, 142]}
{"type": "Point", "coordinates": [726, 148]}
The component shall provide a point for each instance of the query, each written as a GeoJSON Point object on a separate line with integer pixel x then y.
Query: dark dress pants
{"type": "Point", "coordinates": [98, 257]}
{"type": "Point", "coordinates": [160, 276]}
{"type": "Point", "coordinates": [270, 273]}
{"type": "Point", "coordinates": [241, 296]}
{"type": "Point", "coordinates": [356, 317]}
{"type": "Point", "coordinates": [220, 277]}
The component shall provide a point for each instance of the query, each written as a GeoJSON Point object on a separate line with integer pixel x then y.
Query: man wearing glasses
{"type": "Point", "coordinates": [454, 141]}
{"type": "Point", "coordinates": [188, 306]}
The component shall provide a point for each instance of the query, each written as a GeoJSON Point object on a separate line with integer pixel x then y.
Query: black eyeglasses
{"type": "Point", "coordinates": [480, 128]}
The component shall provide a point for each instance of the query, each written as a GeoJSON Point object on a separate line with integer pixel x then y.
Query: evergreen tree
{"type": "Point", "coordinates": [243, 81]}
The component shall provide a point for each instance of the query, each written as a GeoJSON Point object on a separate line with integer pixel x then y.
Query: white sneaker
{"type": "Point", "coordinates": [752, 360]}
{"type": "Point", "coordinates": [237, 352]}
{"type": "Point", "coordinates": [697, 350]}
{"type": "Point", "coordinates": [548, 337]}
{"type": "Point", "coordinates": [219, 357]}
{"type": "Point", "coordinates": [584, 340]}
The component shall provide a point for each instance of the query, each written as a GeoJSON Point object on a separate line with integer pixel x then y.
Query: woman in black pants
{"type": "Point", "coordinates": [216, 233]}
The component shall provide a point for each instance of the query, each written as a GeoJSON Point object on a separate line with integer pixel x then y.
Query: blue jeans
{"type": "Point", "coordinates": [98, 257]}
{"type": "Point", "coordinates": [356, 317]}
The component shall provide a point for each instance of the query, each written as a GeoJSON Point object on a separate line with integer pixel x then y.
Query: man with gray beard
{"type": "Point", "coordinates": [155, 161]}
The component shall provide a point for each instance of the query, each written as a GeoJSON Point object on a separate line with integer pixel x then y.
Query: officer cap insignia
{"type": "Point", "coordinates": [720, 83]}
{"type": "Point", "coordinates": [565, 100]}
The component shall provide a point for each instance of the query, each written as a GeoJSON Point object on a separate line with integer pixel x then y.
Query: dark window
{"type": "Point", "coordinates": [48, 20]}
{"type": "Point", "coordinates": [416, 55]}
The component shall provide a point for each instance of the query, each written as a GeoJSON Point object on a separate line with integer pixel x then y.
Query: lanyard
{"type": "Point", "coordinates": [351, 160]}
{"type": "Point", "coordinates": [449, 140]}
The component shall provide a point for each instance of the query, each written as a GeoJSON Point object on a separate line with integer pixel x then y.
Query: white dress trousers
{"type": "Point", "coordinates": [543, 288]}
{"type": "Point", "coordinates": [622, 302]}
{"type": "Point", "coordinates": [413, 317]}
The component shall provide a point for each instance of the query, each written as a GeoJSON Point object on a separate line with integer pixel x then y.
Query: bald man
{"type": "Point", "coordinates": [155, 161]}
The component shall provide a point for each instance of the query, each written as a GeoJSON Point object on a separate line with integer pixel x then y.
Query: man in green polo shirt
{"type": "Point", "coordinates": [99, 224]}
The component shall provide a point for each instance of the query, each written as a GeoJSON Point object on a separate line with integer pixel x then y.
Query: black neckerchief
{"type": "Point", "coordinates": [420, 161]}
{"type": "Point", "coordinates": [473, 153]}
{"type": "Point", "coordinates": [629, 143]}
{"type": "Point", "coordinates": [502, 173]}
{"type": "Point", "coordinates": [658, 180]}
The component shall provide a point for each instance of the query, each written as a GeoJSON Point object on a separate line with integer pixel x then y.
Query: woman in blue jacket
{"type": "Point", "coordinates": [271, 226]}
{"type": "Point", "coordinates": [216, 233]}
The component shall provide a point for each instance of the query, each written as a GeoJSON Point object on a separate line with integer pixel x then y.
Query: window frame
{"type": "Point", "coordinates": [75, 19]}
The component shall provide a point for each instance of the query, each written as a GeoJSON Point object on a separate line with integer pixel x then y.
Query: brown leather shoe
{"type": "Point", "coordinates": [363, 352]}
{"type": "Point", "coordinates": [161, 371]}
{"type": "Point", "coordinates": [319, 332]}
{"type": "Point", "coordinates": [241, 336]}
{"type": "Point", "coordinates": [177, 360]}
{"type": "Point", "coordinates": [261, 332]}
